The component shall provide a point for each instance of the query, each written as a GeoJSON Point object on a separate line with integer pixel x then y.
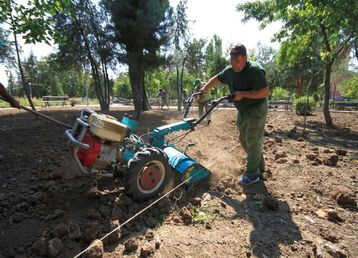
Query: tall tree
{"type": "Point", "coordinates": [181, 43]}
{"type": "Point", "coordinates": [32, 21]}
{"type": "Point", "coordinates": [141, 28]}
{"type": "Point", "coordinates": [84, 40]}
{"type": "Point", "coordinates": [332, 21]}
{"type": "Point", "coordinates": [196, 57]}
{"type": "Point", "coordinates": [298, 62]}
{"type": "Point", "coordinates": [215, 61]}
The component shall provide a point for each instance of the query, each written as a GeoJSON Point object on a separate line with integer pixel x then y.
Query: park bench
{"type": "Point", "coordinates": [123, 101]}
{"type": "Point", "coordinates": [277, 103]}
{"type": "Point", "coordinates": [54, 99]}
{"type": "Point", "coordinates": [346, 105]}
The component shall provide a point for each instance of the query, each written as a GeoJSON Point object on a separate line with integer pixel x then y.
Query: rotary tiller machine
{"type": "Point", "coordinates": [101, 144]}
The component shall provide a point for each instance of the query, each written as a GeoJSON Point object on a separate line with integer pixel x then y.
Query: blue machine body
{"type": "Point", "coordinates": [157, 136]}
{"type": "Point", "coordinates": [185, 165]}
{"type": "Point", "coordinates": [127, 155]}
{"type": "Point", "coordinates": [130, 123]}
{"type": "Point", "coordinates": [182, 163]}
{"type": "Point", "coordinates": [179, 161]}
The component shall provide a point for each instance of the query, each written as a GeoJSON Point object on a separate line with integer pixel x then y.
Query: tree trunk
{"type": "Point", "coordinates": [23, 80]}
{"type": "Point", "coordinates": [106, 86]}
{"type": "Point", "coordinates": [327, 91]}
{"type": "Point", "coordinates": [146, 104]}
{"type": "Point", "coordinates": [181, 85]}
{"type": "Point", "coordinates": [136, 77]}
{"type": "Point", "coordinates": [104, 104]}
{"type": "Point", "coordinates": [178, 88]}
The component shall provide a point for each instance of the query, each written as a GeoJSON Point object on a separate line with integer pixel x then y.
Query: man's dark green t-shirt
{"type": "Point", "coordinates": [252, 77]}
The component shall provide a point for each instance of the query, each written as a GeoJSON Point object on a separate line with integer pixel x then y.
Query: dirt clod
{"type": "Point", "coordinates": [281, 161]}
{"type": "Point", "coordinates": [90, 231]}
{"type": "Point", "coordinates": [39, 247]}
{"type": "Point", "coordinates": [311, 156]}
{"type": "Point", "coordinates": [116, 235]}
{"type": "Point", "coordinates": [61, 230]}
{"type": "Point", "coordinates": [196, 201]}
{"type": "Point", "coordinates": [146, 250]}
{"type": "Point", "coordinates": [55, 246]}
{"type": "Point", "coordinates": [331, 161]}
{"type": "Point", "coordinates": [95, 250]}
{"type": "Point", "coordinates": [149, 235]}
{"type": "Point", "coordinates": [280, 155]}
{"type": "Point", "coordinates": [346, 200]}
{"type": "Point", "coordinates": [157, 244]}
{"type": "Point", "coordinates": [333, 216]}
{"type": "Point", "coordinates": [186, 216]}
{"type": "Point", "coordinates": [341, 152]}
{"type": "Point", "coordinates": [74, 231]}
{"type": "Point", "coordinates": [130, 246]}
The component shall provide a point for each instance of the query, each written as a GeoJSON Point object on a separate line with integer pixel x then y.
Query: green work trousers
{"type": "Point", "coordinates": [163, 102]}
{"type": "Point", "coordinates": [251, 123]}
{"type": "Point", "coordinates": [204, 107]}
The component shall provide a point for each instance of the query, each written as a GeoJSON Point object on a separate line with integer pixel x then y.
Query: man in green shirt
{"type": "Point", "coordinates": [248, 86]}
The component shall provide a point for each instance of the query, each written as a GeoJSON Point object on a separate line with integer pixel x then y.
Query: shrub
{"type": "Point", "coordinates": [279, 93]}
{"type": "Point", "coordinates": [302, 107]}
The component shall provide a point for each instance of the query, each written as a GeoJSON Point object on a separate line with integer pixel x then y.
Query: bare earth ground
{"type": "Point", "coordinates": [305, 207]}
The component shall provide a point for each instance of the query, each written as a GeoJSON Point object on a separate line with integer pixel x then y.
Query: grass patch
{"type": "Point", "coordinates": [39, 103]}
{"type": "Point", "coordinates": [202, 215]}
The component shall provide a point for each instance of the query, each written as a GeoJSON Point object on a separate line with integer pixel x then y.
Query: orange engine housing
{"type": "Point", "coordinates": [88, 157]}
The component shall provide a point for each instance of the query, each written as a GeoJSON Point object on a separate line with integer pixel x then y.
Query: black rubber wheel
{"type": "Point", "coordinates": [148, 174]}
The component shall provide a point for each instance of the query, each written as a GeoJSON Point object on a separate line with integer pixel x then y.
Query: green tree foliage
{"type": "Point", "coordinates": [350, 87]}
{"type": "Point", "coordinates": [33, 21]}
{"type": "Point", "coordinates": [267, 57]}
{"type": "Point", "coordinates": [333, 23]}
{"type": "Point", "coordinates": [84, 41]}
{"type": "Point", "coordinates": [181, 46]}
{"type": "Point", "coordinates": [48, 76]}
{"type": "Point", "coordinates": [304, 105]}
{"type": "Point", "coordinates": [6, 52]}
{"type": "Point", "coordinates": [214, 59]}
{"type": "Point", "coordinates": [279, 93]}
{"type": "Point", "coordinates": [141, 28]}
{"type": "Point", "coordinates": [196, 57]}
{"type": "Point", "coordinates": [122, 87]}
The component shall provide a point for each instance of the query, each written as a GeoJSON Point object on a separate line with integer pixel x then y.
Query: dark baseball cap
{"type": "Point", "coordinates": [238, 50]}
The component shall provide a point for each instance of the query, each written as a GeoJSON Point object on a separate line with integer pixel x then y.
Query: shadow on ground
{"type": "Point", "coordinates": [272, 226]}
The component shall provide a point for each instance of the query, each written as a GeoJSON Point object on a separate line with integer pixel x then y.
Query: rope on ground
{"type": "Point", "coordinates": [135, 215]}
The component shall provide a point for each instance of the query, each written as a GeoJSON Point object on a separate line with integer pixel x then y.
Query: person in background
{"type": "Point", "coordinates": [7, 97]}
{"type": "Point", "coordinates": [163, 98]}
{"type": "Point", "coordinates": [203, 100]}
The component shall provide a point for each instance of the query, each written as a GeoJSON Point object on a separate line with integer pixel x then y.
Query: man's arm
{"type": "Point", "coordinates": [254, 94]}
{"type": "Point", "coordinates": [212, 83]}
{"type": "Point", "coordinates": [13, 102]}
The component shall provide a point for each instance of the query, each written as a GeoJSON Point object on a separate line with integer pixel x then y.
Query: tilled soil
{"type": "Point", "coordinates": [306, 205]}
